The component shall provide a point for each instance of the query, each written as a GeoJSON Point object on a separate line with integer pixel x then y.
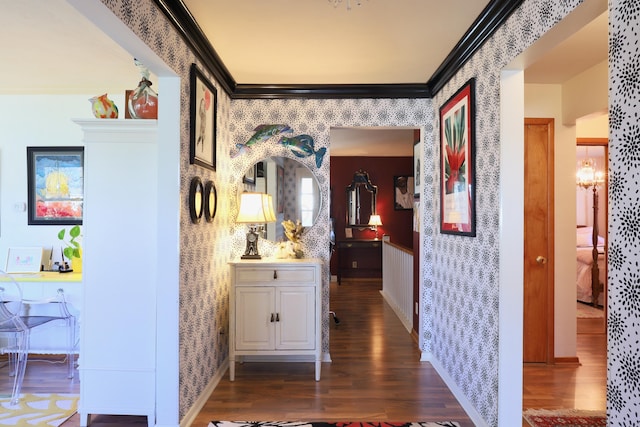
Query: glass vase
{"type": "Point", "coordinates": [143, 101]}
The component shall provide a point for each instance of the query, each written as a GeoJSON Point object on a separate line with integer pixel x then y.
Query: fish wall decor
{"type": "Point", "coordinates": [303, 146]}
{"type": "Point", "coordinates": [262, 133]}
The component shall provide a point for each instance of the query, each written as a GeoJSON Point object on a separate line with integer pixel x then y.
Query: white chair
{"type": "Point", "coordinates": [14, 331]}
{"type": "Point", "coordinates": [18, 316]}
{"type": "Point", "coordinates": [38, 312]}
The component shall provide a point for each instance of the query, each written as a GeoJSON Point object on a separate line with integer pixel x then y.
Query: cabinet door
{"type": "Point", "coordinates": [296, 309]}
{"type": "Point", "coordinates": [254, 328]}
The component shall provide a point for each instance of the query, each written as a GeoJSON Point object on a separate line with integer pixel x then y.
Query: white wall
{"type": "Point", "coordinates": [33, 120]}
{"type": "Point", "coordinates": [546, 101]}
{"type": "Point", "coordinates": [586, 93]}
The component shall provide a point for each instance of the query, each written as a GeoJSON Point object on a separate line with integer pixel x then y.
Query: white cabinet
{"type": "Point", "coordinates": [275, 310]}
{"type": "Point", "coordinates": [117, 365]}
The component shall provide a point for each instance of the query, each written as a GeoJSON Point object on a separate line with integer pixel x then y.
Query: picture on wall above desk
{"type": "Point", "coordinates": [203, 120]}
{"type": "Point", "coordinates": [55, 183]}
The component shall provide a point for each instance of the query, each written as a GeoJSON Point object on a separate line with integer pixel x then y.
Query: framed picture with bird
{"type": "Point", "coordinates": [203, 102]}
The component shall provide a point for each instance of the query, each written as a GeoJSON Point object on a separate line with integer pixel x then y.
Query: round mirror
{"type": "Point", "coordinates": [293, 187]}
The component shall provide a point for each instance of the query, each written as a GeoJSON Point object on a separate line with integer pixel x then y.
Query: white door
{"type": "Point", "coordinates": [295, 329]}
{"type": "Point", "coordinates": [255, 306]}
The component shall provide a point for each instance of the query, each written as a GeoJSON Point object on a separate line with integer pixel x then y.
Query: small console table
{"type": "Point", "coordinates": [274, 310]}
{"type": "Point", "coordinates": [346, 248]}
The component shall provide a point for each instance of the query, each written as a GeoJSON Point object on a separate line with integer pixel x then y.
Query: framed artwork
{"type": "Point", "coordinates": [196, 203]}
{"type": "Point", "coordinates": [203, 100]}
{"type": "Point", "coordinates": [417, 171]}
{"type": "Point", "coordinates": [457, 180]}
{"type": "Point", "coordinates": [280, 189]}
{"type": "Point", "coordinates": [250, 176]}
{"type": "Point", "coordinates": [210, 201]}
{"type": "Point", "coordinates": [55, 183]}
{"type": "Point", "coordinates": [403, 192]}
{"type": "Point", "coordinates": [24, 260]}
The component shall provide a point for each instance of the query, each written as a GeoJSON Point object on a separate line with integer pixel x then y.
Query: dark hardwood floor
{"type": "Point", "coordinates": [375, 375]}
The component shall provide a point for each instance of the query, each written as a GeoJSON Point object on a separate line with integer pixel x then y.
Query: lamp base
{"type": "Point", "coordinates": [250, 256]}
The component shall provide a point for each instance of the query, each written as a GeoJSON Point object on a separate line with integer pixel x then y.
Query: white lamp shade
{"type": "Point", "coordinates": [375, 220]}
{"type": "Point", "coordinates": [255, 208]}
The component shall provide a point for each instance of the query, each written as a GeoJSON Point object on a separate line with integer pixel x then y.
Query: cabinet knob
{"type": "Point", "coordinates": [272, 318]}
{"type": "Point", "coordinates": [277, 317]}
{"type": "Point", "coordinates": [275, 274]}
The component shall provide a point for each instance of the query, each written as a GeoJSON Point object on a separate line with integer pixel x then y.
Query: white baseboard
{"type": "Point", "coordinates": [193, 412]}
{"type": "Point", "coordinates": [468, 407]}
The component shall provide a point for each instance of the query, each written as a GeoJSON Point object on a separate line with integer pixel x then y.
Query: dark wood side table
{"type": "Point", "coordinates": [373, 247]}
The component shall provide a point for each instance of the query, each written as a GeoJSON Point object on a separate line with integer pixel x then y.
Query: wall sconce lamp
{"type": "Point", "coordinates": [374, 222]}
{"type": "Point", "coordinates": [255, 209]}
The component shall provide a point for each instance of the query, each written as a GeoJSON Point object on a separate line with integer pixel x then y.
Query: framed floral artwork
{"type": "Point", "coordinates": [457, 179]}
{"type": "Point", "coordinates": [202, 120]}
{"type": "Point", "coordinates": [55, 185]}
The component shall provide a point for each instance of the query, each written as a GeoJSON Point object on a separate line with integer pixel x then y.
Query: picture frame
{"type": "Point", "coordinates": [24, 260]}
{"type": "Point", "coordinates": [250, 176]}
{"type": "Point", "coordinates": [55, 185]}
{"type": "Point", "coordinates": [203, 105]}
{"type": "Point", "coordinates": [196, 202]}
{"type": "Point", "coordinates": [210, 201]}
{"type": "Point", "coordinates": [403, 190]}
{"type": "Point", "coordinates": [417, 169]}
{"type": "Point", "coordinates": [457, 163]}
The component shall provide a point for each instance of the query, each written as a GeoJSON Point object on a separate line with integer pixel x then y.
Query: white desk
{"type": "Point", "coordinates": [51, 338]}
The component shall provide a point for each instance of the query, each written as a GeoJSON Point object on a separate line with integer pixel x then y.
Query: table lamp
{"type": "Point", "coordinates": [255, 209]}
{"type": "Point", "coordinates": [374, 222]}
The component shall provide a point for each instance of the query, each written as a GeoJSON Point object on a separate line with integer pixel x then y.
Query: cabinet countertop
{"type": "Point", "coordinates": [277, 261]}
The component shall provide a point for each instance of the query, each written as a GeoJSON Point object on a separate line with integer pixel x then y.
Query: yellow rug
{"type": "Point", "coordinates": [38, 410]}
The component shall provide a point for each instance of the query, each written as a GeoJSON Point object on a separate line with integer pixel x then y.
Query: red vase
{"type": "Point", "coordinates": [143, 101]}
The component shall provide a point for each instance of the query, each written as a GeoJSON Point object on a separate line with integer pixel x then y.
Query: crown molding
{"type": "Point", "coordinates": [491, 18]}
{"type": "Point", "coordinates": [496, 12]}
{"type": "Point", "coordinates": [248, 91]}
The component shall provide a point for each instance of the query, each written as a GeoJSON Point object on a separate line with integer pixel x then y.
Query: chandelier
{"type": "Point", "coordinates": [587, 174]}
{"type": "Point", "coordinates": [337, 2]}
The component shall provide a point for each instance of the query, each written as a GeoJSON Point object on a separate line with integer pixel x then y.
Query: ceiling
{"type": "Point", "coordinates": [48, 47]}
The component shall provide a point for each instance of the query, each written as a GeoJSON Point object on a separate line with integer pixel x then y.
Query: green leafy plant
{"type": "Point", "coordinates": [72, 248]}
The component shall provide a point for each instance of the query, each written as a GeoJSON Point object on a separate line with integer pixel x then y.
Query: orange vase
{"type": "Point", "coordinates": [103, 107]}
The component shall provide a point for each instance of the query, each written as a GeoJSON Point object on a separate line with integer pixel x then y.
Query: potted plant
{"type": "Point", "coordinates": [72, 249]}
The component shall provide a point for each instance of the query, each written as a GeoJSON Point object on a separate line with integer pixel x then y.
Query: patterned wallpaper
{"type": "Point", "coordinates": [315, 118]}
{"type": "Point", "coordinates": [460, 333]}
{"type": "Point", "coordinates": [623, 371]}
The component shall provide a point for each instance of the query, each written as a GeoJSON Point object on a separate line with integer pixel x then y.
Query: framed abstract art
{"type": "Point", "coordinates": [457, 168]}
{"type": "Point", "coordinates": [55, 185]}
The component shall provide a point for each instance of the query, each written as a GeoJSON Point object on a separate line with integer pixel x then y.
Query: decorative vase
{"type": "Point", "coordinates": [143, 101]}
{"type": "Point", "coordinates": [76, 262]}
{"type": "Point", "coordinates": [103, 107]}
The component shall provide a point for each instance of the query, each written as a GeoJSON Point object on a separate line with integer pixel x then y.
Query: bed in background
{"type": "Point", "coordinates": [584, 254]}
